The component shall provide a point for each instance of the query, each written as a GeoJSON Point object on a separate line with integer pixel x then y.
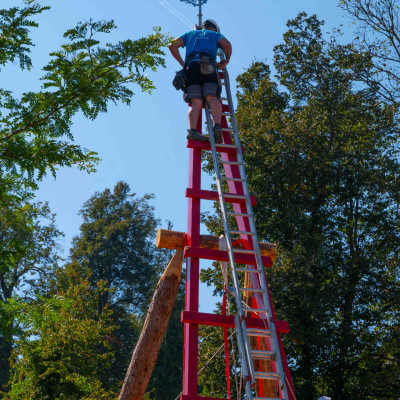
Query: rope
{"type": "Point", "coordinates": [208, 362]}
{"type": "Point", "coordinates": [228, 377]}
{"type": "Point", "coordinates": [238, 392]}
{"type": "Point", "coordinates": [224, 268]}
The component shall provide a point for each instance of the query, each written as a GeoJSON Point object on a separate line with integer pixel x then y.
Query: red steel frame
{"type": "Point", "coordinates": [191, 316]}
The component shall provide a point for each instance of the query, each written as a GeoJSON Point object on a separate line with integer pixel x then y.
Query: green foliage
{"type": "Point", "coordinates": [14, 33]}
{"type": "Point", "coordinates": [29, 254]}
{"type": "Point", "coordinates": [83, 76]}
{"type": "Point", "coordinates": [322, 158]}
{"type": "Point", "coordinates": [64, 349]}
{"type": "Point", "coordinates": [115, 247]}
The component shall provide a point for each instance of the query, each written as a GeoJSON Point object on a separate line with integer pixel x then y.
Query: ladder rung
{"type": "Point", "coordinates": [242, 233]}
{"type": "Point", "coordinates": [228, 130]}
{"type": "Point", "coordinates": [229, 162]}
{"type": "Point", "coordinates": [258, 332]}
{"type": "Point", "coordinates": [233, 179]}
{"type": "Point", "coordinates": [227, 114]}
{"type": "Point", "coordinates": [266, 398]}
{"type": "Point", "coordinates": [263, 355]}
{"type": "Point", "coordinates": [235, 196]}
{"type": "Point", "coordinates": [254, 310]}
{"type": "Point", "coordinates": [228, 146]}
{"type": "Point", "coordinates": [244, 251]}
{"type": "Point", "coordinates": [239, 214]}
{"type": "Point", "coordinates": [254, 271]}
{"type": "Point", "coordinates": [245, 289]}
{"type": "Point", "coordinates": [224, 99]}
{"type": "Point", "coordinates": [266, 375]}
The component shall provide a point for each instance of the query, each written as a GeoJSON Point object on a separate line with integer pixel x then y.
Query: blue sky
{"type": "Point", "coordinates": [145, 144]}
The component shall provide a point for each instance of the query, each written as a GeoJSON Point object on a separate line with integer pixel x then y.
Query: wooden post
{"type": "Point", "coordinates": [167, 239]}
{"type": "Point", "coordinates": [145, 355]}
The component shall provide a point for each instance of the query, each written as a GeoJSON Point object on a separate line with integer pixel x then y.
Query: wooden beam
{"type": "Point", "coordinates": [174, 240]}
{"type": "Point", "coordinates": [145, 354]}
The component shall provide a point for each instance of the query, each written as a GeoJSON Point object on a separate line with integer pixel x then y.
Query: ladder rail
{"type": "Point", "coordinates": [261, 289]}
{"type": "Point", "coordinates": [244, 338]}
{"type": "Point", "coordinates": [263, 283]}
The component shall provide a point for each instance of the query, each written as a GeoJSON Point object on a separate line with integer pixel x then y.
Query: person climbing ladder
{"type": "Point", "coordinates": [201, 71]}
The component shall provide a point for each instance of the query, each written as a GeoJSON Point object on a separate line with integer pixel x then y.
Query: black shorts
{"type": "Point", "coordinates": [198, 84]}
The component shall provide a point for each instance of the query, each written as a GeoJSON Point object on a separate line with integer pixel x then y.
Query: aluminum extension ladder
{"type": "Point", "coordinates": [256, 273]}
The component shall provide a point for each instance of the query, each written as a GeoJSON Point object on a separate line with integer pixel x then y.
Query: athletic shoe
{"type": "Point", "coordinates": [193, 134]}
{"type": "Point", "coordinates": [218, 133]}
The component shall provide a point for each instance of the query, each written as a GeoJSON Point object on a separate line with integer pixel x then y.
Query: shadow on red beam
{"type": "Point", "coordinates": [213, 195]}
{"type": "Point", "coordinates": [196, 144]}
{"type": "Point", "coordinates": [227, 321]}
{"type": "Point", "coordinates": [220, 255]}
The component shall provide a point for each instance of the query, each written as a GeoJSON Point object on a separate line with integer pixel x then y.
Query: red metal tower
{"type": "Point", "coordinates": [191, 317]}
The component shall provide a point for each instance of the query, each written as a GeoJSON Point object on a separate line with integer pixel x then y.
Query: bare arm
{"type": "Point", "coordinates": [174, 49]}
{"type": "Point", "coordinates": [227, 48]}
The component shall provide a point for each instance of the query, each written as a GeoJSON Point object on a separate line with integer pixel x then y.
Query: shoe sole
{"type": "Point", "coordinates": [218, 137]}
{"type": "Point", "coordinates": [200, 139]}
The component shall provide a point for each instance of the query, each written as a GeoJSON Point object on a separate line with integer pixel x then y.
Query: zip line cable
{"type": "Point", "coordinates": [175, 12]}
{"type": "Point", "coordinates": [186, 21]}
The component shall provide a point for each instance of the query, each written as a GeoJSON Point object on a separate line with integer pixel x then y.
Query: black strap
{"type": "Point", "coordinates": [198, 56]}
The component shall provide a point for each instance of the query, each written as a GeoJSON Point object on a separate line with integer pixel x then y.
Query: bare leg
{"type": "Point", "coordinates": [194, 112]}
{"type": "Point", "coordinates": [215, 107]}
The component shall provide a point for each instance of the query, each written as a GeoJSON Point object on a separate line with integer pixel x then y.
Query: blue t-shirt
{"type": "Point", "coordinates": [204, 41]}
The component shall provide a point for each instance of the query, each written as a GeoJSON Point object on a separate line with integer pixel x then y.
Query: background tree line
{"type": "Point", "coordinates": [322, 157]}
{"type": "Point", "coordinates": [321, 146]}
{"type": "Point", "coordinates": [68, 326]}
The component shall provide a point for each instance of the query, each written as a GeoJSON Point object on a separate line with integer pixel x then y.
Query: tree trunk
{"type": "Point", "coordinates": [145, 355]}
{"type": "Point", "coordinates": [5, 354]}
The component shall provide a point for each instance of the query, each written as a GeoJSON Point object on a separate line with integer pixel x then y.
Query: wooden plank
{"type": "Point", "coordinates": [220, 255]}
{"type": "Point", "coordinates": [175, 240]}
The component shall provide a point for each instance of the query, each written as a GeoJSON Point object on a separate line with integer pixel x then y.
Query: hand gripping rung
{"type": "Point", "coordinates": [263, 355]}
{"type": "Point", "coordinates": [233, 179]}
{"type": "Point", "coordinates": [266, 375]}
{"type": "Point", "coordinates": [229, 162]}
{"type": "Point", "coordinates": [242, 233]}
